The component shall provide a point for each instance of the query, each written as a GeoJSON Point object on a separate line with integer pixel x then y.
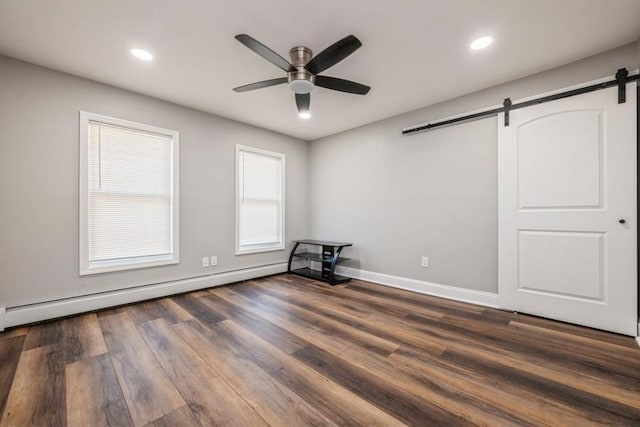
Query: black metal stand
{"type": "Point", "coordinates": [329, 258]}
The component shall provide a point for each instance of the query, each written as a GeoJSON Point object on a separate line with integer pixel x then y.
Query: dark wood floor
{"type": "Point", "coordinates": [288, 351]}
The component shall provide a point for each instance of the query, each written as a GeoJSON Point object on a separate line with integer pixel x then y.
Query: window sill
{"type": "Point", "coordinates": [98, 267]}
{"type": "Point", "coordinates": [258, 250]}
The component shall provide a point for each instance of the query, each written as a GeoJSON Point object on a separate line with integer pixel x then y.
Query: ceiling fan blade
{"type": "Point", "coordinates": [303, 101]}
{"type": "Point", "coordinates": [260, 85]}
{"type": "Point", "coordinates": [264, 51]}
{"type": "Point", "coordinates": [342, 85]}
{"type": "Point", "coordinates": [333, 54]}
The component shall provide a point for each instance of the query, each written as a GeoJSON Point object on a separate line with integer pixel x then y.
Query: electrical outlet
{"type": "Point", "coordinates": [214, 260]}
{"type": "Point", "coordinates": [205, 261]}
{"type": "Point", "coordinates": [425, 261]}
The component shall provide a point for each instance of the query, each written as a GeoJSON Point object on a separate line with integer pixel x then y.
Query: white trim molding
{"type": "Point", "coordinates": [487, 299]}
{"type": "Point", "coordinates": [264, 247]}
{"type": "Point", "coordinates": [88, 266]}
{"type": "Point", "coordinates": [3, 315]}
{"type": "Point", "coordinates": [65, 307]}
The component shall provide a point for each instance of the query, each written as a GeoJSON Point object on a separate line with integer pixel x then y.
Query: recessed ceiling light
{"type": "Point", "coordinates": [481, 43]}
{"type": "Point", "coordinates": [142, 54]}
{"type": "Point", "coordinates": [304, 114]}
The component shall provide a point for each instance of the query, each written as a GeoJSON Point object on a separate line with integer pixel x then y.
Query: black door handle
{"type": "Point", "coordinates": [622, 221]}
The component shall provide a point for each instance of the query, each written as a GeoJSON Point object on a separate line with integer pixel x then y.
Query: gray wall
{"type": "Point", "coordinates": [39, 184]}
{"type": "Point", "coordinates": [434, 193]}
{"type": "Point", "coordinates": [397, 198]}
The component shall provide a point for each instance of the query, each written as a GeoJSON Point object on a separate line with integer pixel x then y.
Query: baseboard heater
{"type": "Point", "coordinates": [22, 315]}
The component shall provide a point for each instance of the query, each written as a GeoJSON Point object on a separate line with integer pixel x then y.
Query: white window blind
{"type": "Point", "coordinates": [260, 209]}
{"type": "Point", "coordinates": [130, 199]}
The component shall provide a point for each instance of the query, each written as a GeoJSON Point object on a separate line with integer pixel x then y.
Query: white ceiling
{"type": "Point", "coordinates": [415, 52]}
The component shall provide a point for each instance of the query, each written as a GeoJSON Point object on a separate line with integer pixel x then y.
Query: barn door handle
{"type": "Point", "coordinates": [622, 221]}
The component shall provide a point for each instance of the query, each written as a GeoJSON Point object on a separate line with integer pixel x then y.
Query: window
{"type": "Point", "coordinates": [128, 195]}
{"type": "Point", "coordinates": [259, 200]}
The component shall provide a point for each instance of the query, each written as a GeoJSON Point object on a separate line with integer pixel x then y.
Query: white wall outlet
{"type": "Point", "coordinates": [214, 260]}
{"type": "Point", "coordinates": [205, 261]}
{"type": "Point", "coordinates": [425, 261]}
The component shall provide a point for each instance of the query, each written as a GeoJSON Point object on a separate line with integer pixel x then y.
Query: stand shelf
{"type": "Point", "coordinates": [329, 258]}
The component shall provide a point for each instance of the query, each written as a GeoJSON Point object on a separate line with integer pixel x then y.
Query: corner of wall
{"type": "Point", "coordinates": [3, 315]}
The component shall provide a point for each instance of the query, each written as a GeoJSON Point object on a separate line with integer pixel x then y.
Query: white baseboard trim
{"type": "Point", "coordinates": [487, 299]}
{"type": "Point", "coordinates": [3, 315]}
{"type": "Point", "coordinates": [638, 334]}
{"type": "Point", "coordinates": [49, 310]}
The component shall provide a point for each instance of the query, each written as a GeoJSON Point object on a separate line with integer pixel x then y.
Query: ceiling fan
{"type": "Point", "coordinates": [302, 71]}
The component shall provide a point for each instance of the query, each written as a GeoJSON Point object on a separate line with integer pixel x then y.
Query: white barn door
{"type": "Point", "coordinates": [567, 226]}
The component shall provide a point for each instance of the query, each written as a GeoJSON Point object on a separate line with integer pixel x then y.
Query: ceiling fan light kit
{"type": "Point", "coordinates": [302, 71]}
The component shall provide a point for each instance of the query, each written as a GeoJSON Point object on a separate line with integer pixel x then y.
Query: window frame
{"type": "Point", "coordinates": [131, 263]}
{"type": "Point", "coordinates": [282, 158]}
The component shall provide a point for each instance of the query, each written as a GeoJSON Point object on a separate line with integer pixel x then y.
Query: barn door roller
{"type": "Point", "coordinates": [621, 78]}
{"type": "Point", "coordinates": [507, 108]}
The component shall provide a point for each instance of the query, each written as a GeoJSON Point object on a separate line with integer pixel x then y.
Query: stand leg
{"type": "Point", "coordinates": [334, 262]}
{"type": "Point", "coordinates": [293, 251]}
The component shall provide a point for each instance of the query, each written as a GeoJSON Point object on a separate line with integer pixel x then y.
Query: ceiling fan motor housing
{"type": "Point", "coordinates": [300, 80]}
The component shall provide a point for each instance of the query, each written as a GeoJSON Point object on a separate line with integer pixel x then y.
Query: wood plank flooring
{"type": "Point", "coordinates": [289, 351]}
